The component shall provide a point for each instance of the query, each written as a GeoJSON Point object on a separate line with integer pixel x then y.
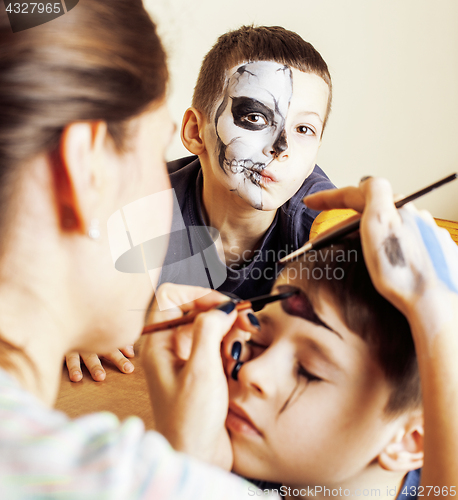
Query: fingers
{"type": "Point", "coordinates": [182, 341]}
{"type": "Point", "coordinates": [378, 194]}
{"type": "Point", "coordinates": [349, 197]}
{"type": "Point", "coordinates": [234, 343]}
{"type": "Point", "coordinates": [234, 350]}
{"type": "Point", "coordinates": [159, 359]}
{"type": "Point", "coordinates": [73, 363]}
{"type": "Point", "coordinates": [379, 224]}
{"type": "Point", "coordinates": [128, 351]}
{"type": "Point", "coordinates": [94, 366]}
{"type": "Point", "coordinates": [380, 219]}
{"type": "Point", "coordinates": [178, 299]}
{"type": "Point", "coordinates": [161, 350]}
{"type": "Point", "coordinates": [245, 324]}
{"type": "Point", "coordinates": [379, 211]}
{"type": "Point", "coordinates": [248, 322]}
{"type": "Point", "coordinates": [209, 330]}
{"type": "Point", "coordinates": [392, 245]}
{"type": "Point", "coordinates": [120, 361]}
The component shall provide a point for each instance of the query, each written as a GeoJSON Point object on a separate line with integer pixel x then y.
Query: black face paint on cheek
{"type": "Point", "coordinates": [290, 397]}
{"type": "Point", "coordinates": [242, 107]}
{"type": "Point", "coordinates": [393, 251]}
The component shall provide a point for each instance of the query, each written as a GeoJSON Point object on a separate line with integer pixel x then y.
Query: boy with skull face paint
{"type": "Point", "coordinates": [260, 106]}
{"type": "Point", "coordinates": [259, 109]}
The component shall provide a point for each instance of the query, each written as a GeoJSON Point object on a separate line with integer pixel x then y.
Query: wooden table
{"type": "Point", "coordinates": [120, 393]}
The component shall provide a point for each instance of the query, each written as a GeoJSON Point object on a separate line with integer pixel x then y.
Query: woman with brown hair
{"type": "Point", "coordinates": [83, 127]}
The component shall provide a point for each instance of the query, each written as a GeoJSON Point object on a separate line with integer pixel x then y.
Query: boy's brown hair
{"type": "Point", "coordinates": [340, 270]}
{"type": "Point", "coordinates": [250, 43]}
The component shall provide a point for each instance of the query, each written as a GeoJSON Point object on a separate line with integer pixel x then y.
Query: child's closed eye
{"type": "Point", "coordinates": [257, 348]}
{"type": "Point", "coordinates": [303, 372]}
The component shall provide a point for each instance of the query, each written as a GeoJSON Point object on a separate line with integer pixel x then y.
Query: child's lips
{"type": "Point", "coordinates": [239, 421]}
{"type": "Point", "coordinates": [268, 176]}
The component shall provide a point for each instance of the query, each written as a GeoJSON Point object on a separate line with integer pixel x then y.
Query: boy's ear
{"type": "Point", "coordinates": [76, 172]}
{"type": "Point", "coordinates": [192, 130]}
{"type": "Point", "coordinates": [405, 451]}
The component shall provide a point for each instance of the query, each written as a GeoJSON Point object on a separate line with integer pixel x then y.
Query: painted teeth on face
{"type": "Point", "coordinates": [234, 166]}
{"type": "Point", "coordinates": [251, 171]}
{"type": "Point", "coordinates": [248, 123]}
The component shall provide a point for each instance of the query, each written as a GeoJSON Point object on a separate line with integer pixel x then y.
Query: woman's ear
{"type": "Point", "coordinates": [76, 172]}
{"type": "Point", "coordinates": [405, 451]}
{"type": "Point", "coordinates": [192, 129]}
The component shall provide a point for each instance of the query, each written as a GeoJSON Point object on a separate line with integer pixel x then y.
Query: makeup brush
{"type": "Point", "coordinates": [256, 304]}
{"type": "Point", "coordinates": [353, 226]}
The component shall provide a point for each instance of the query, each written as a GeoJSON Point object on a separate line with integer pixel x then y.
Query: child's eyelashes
{"type": "Point", "coordinates": [257, 348]}
{"type": "Point", "coordinates": [255, 118]}
{"type": "Point", "coordinates": [251, 114]}
{"type": "Point", "coordinates": [302, 372]}
{"type": "Point", "coordinates": [305, 130]}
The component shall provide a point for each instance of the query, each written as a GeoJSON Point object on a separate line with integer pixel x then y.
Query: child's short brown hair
{"type": "Point", "coordinates": [250, 43]}
{"type": "Point", "coordinates": [340, 270]}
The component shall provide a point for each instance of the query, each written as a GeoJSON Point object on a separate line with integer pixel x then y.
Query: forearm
{"type": "Point", "coordinates": [435, 332]}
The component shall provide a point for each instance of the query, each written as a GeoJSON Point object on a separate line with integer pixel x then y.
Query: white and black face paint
{"type": "Point", "coordinates": [250, 125]}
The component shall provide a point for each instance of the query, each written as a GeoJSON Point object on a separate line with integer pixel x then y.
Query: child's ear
{"type": "Point", "coordinates": [405, 451]}
{"type": "Point", "coordinates": [192, 130]}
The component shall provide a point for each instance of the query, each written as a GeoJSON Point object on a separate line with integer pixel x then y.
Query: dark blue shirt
{"type": "Point", "coordinates": [409, 489]}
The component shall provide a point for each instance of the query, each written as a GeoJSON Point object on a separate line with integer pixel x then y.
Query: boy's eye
{"type": "Point", "coordinates": [255, 118]}
{"type": "Point", "coordinates": [251, 114]}
{"type": "Point", "coordinates": [303, 129]}
{"type": "Point", "coordinates": [302, 372]}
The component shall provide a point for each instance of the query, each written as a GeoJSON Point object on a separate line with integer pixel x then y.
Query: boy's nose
{"type": "Point", "coordinates": [258, 375]}
{"type": "Point", "coordinates": [280, 145]}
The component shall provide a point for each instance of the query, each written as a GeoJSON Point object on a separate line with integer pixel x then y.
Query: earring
{"type": "Point", "coordinates": [94, 229]}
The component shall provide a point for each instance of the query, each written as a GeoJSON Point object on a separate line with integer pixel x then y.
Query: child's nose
{"type": "Point", "coordinates": [259, 375]}
{"type": "Point", "coordinates": [280, 145]}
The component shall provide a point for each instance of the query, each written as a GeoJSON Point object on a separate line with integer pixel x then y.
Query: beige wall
{"type": "Point", "coordinates": [394, 65]}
